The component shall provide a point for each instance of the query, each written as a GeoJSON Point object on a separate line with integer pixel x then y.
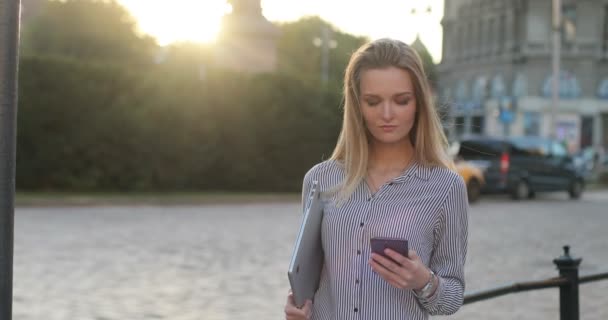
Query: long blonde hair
{"type": "Point", "coordinates": [427, 136]}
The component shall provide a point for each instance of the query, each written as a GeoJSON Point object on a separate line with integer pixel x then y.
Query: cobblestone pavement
{"type": "Point", "coordinates": [230, 261]}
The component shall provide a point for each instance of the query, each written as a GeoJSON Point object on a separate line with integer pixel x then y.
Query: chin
{"type": "Point", "coordinates": [392, 140]}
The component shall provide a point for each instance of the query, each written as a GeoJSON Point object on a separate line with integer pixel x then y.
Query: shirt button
{"type": "Point", "coordinates": [357, 281]}
{"type": "Point", "coordinates": [369, 199]}
{"type": "Point", "coordinates": [356, 310]}
{"type": "Point", "coordinates": [362, 224]}
{"type": "Point", "coordinates": [390, 184]}
{"type": "Point", "coordinates": [358, 251]}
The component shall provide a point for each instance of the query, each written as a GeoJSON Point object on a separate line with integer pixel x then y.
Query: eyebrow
{"type": "Point", "coordinates": [371, 95]}
{"type": "Point", "coordinates": [407, 93]}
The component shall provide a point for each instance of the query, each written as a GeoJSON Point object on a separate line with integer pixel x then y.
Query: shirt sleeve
{"type": "Point", "coordinates": [449, 253]}
{"type": "Point", "coordinates": [307, 182]}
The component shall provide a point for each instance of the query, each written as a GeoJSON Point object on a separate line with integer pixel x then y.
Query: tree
{"type": "Point", "coordinates": [297, 54]}
{"type": "Point", "coordinates": [427, 61]}
{"type": "Point", "coordinates": [87, 30]}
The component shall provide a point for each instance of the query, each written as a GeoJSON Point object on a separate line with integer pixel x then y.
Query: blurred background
{"type": "Point", "coordinates": [162, 143]}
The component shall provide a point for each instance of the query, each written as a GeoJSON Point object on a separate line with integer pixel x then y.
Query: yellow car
{"type": "Point", "coordinates": [473, 178]}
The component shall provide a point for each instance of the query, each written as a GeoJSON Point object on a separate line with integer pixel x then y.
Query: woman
{"type": "Point", "coordinates": [389, 176]}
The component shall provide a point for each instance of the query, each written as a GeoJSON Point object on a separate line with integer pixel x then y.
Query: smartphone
{"type": "Point", "coordinates": [396, 244]}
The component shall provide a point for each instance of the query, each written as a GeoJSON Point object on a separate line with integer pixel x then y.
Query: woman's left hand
{"type": "Point", "coordinates": [408, 273]}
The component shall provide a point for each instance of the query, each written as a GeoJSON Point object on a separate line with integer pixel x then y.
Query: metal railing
{"type": "Point", "coordinates": [567, 282]}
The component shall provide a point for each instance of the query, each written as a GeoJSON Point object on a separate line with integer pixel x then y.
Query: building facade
{"type": "Point", "coordinates": [496, 71]}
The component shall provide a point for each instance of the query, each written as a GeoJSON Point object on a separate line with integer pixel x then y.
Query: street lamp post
{"type": "Point", "coordinates": [557, 8]}
{"type": "Point", "coordinates": [326, 43]}
{"type": "Point", "coordinates": [9, 44]}
{"type": "Point", "coordinates": [415, 12]}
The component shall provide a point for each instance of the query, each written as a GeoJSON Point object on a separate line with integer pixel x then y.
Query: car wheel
{"type": "Point", "coordinates": [576, 189]}
{"type": "Point", "coordinates": [521, 190]}
{"type": "Point", "coordinates": [473, 190]}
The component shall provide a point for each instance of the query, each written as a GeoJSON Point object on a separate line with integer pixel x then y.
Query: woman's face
{"type": "Point", "coordinates": [388, 104]}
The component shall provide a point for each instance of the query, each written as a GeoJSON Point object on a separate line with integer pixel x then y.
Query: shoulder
{"type": "Point", "coordinates": [452, 189]}
{"type": "Point", "coordinates": [446, 178]}
{"type": "Point", "coordinates": [324, 172]}
{"type": "Point", "coordinates": [322, 169]}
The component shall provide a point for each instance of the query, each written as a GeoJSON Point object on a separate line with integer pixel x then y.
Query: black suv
{"type": "Point", "coordinates": [522, 166]}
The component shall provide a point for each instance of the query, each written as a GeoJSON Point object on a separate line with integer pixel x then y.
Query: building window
{"type": "Point", "coordinates": [605, 39]}
{"type": "Point", "coordinates": [480, 38]}
{"type": "Point", "coordinates": [490, 37]}
{"type": "Point", "coordinates": [602, 89]}
{"type": "Point", "coordinates": [568, 23]}
{"type": "Point", "coordinates": [479, 91]}
{"type": "Point", "coordinates": [532, 124]}
{"type": "Point", "coordinates": [520, 85]}
{"type": "Point", "coordinates": [459, 126]}
{"type": "Point", "coordinates": [462, 94]}
{"type": "Point", "coordinates": [461, 41]}
{"type": "Point", "coordinates": [470, 40]}
{"type": "Point", "coordinates": [447, 94]}
{"type": "Point", "coordinates": [502, 32]}
{"type": "Point", "coordinates": [498, 87]}
{"type": "Point", "coordinates": [477, 124]}
{"type": "Point", "coordinates": [569, 87]}
{"type": "Point", "coordinates": [586, 131]}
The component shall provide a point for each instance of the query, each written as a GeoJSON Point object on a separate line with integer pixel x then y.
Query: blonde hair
{"type": "Point", "coordinates": [427, 136]}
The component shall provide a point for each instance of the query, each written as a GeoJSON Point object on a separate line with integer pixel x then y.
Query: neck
{"type": "Point", "coordinates": [389, 157]}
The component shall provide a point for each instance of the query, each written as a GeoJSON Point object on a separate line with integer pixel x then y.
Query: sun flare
{"type": "Point", "coordinates": [178, 20]}
{"type": "Point", "coordinates": [200, 20]}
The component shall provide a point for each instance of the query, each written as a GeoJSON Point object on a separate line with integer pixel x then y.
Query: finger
{"type": "Point", "coordinates": [290, 300]}
{"type": "Point", "coordinates": [398, 257]}
{"type": "Point", "coordinates": [413, 255]}
{"type": "Point", "coordinates": [386, 263]}
{"type": "Point", "coordinates": [389, 276]}
{"type": "Point", "coordinates": [293, 312]}
{"type": "Point", "coordinates": [307, 309]}
{"type": "Point", "coordinates": [296, 313]}
{"type": "Point", "coordinates": [380, 269]}
{"type": "Point", "coordinates": [290, 306]}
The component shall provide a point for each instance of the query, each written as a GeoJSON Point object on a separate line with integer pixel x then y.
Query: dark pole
{"type": "Point", "coordinates": [568, 293]}
{"type": "Point", "coordinates": [9, 44]}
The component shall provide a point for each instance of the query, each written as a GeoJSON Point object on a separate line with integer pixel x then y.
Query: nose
{"type": "Point", "coordinates": [387, 111]}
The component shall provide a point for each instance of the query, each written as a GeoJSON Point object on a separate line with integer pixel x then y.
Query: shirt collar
{"type": "Point", "coordinates": [414, 170]}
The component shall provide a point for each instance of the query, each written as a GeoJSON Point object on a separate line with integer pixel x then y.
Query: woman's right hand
{"type": "Point", "coordinates": [294, 313]}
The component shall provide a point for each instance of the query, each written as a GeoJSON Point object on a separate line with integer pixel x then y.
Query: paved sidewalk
{"type": "Point", "coordinates": [219, 262]}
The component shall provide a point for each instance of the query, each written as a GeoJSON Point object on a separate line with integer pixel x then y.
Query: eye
{"type": "Point", "coordinates": [372, 102]}
{"type": "Point", "coordinates": [403, 101]}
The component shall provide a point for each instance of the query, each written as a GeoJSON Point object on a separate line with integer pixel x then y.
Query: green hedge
{"type": "Point", "coordinates": [107, 127]}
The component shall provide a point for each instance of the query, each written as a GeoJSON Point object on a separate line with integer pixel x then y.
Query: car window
{"type": "Point", "coordinates": [529, 147]}
{"type": "Point", "coordinates": [480, 149]}
{"type": "Point", "coordinates": [558, 150]}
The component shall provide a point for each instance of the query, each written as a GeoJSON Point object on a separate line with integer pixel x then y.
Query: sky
{"type": "Point", "coordinates": [199, 20]}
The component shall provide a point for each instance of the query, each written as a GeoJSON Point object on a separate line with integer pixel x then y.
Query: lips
{"type": "Point", "coordinates": [388, 128]}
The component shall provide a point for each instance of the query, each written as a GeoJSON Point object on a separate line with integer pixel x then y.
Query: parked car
{"type": "Point", "coordinates": [590, 161]}
{"type": "Point", "coordinates": [473, 178]}
{"type": "Point", "coordinates": [522, 166]}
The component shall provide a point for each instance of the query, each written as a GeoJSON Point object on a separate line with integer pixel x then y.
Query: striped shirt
{"type": "Point", "coordinates": [425, 205]}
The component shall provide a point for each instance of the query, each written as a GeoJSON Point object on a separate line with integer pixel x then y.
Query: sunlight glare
{"type": "Point", "coordinates": [200, 20]}
{"type": "Point", "coordinates": [179, 20]}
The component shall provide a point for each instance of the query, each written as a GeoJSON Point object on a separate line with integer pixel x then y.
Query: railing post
{"type": "Point", "coordinates": [568, 293]}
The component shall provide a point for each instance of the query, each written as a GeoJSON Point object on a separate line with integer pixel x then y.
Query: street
{"type": "Point", "coordinates": [221, 262]}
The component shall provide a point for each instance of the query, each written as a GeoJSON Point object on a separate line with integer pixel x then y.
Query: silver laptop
{"type": "Point", "coordinates": [307, 259]}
